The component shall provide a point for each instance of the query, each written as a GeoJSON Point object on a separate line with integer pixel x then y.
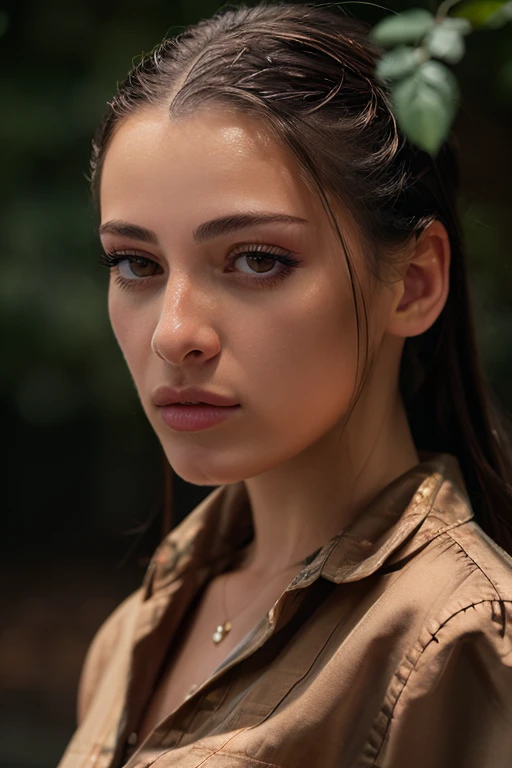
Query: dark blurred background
{"type": "Point", "coordinates": [84, 471]}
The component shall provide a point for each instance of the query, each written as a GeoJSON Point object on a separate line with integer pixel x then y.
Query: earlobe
{"type": "Point", "coordinates": [423, 289]}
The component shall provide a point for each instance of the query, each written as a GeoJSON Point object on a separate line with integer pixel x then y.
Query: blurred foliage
{"type": "Point", "coordinates": [76, 424]}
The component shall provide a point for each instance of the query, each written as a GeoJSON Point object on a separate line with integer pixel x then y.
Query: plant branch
{"type": "Point", "coordinates": [443, 9]}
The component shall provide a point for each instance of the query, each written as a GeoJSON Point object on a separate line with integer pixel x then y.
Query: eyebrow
{"type": "Point", "coordinates": [223, 225]}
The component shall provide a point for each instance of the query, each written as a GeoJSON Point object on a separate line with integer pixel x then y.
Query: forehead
{"type": "Point", "coordinates": [212, 158]}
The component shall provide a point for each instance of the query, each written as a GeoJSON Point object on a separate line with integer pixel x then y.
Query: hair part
{"type": "Point", "coordinates": [310, 79]}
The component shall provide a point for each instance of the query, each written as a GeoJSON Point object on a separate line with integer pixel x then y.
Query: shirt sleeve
{"type": "Point", "coordinates": [450, 703]}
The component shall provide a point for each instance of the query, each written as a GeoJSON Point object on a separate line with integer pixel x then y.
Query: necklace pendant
{"type": "Point", "coordinates": [221, 632]}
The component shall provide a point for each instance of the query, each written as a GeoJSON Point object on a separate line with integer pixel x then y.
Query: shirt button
{"type": "Point", "coordinates": [132, 738]}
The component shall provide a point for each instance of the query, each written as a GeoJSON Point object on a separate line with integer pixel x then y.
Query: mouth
{"type": "Point", "coordinates": [192, 417]}
{"type": "Point", "coordinates": [197, 403]}
{"type": "Point", "coordinates": [165, 395]}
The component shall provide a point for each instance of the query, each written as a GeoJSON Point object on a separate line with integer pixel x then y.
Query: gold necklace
{"type": "Point", "coordinates": [223, 629]}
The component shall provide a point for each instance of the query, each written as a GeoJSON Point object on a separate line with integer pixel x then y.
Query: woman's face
{"type": "Point", "coordinates": [260, 312]}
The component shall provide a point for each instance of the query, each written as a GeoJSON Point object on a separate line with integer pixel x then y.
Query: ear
{"type": "Point", "coordinates": [421, 293]}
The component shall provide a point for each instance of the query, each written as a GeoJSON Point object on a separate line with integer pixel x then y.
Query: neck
{"type": "Point", "coordinates": [298, 506]}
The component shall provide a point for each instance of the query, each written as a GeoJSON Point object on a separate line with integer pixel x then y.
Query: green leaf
{"type": "Point", "coordinates": [477, 12]}
{"type": "Point", "coordinates": [398, 63]}
{"type": "Point", "coordinates": [439, 77]}
{"type": "Point", "coordinates": [445, 42]}
{"type": "Point", "coordinates": [407, 27]}
{"type": "Point", "coordinates": [425, 105]}
{"type": "Point", "coordinates": [460, 25]}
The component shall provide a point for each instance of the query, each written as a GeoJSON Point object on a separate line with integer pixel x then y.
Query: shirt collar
{"type": "Point", "coordinates": [408, 513]}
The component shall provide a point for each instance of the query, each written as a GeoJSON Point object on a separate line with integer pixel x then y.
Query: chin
{"type": "Point", "coordinates": [203, 472]}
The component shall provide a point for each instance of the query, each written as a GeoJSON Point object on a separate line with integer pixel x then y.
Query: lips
{"type": "Point", "coordinates": [191, 418]}
{"type": "Point", "coordinates": [193, 396]}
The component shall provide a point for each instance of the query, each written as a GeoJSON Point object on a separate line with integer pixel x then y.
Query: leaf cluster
{"type": "Point", "coordinates": [424, 92]}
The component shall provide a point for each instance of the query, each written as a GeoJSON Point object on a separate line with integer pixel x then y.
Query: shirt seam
{"type": "Point", "coordinates": [198, 745]}
{"type": "Point", "coordinates": [404, 681]}
{"type": "Point", "coordinates": [477, 565]}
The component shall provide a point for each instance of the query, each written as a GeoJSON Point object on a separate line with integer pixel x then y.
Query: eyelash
{"type": "Point", "coordinates": [113, 259]}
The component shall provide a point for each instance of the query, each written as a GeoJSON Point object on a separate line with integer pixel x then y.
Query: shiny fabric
{"type": "Point", "coordinates": [391, 648]}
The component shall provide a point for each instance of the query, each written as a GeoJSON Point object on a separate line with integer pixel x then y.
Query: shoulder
{"type": "Point", "coordinates": [479, 573]}
{"type": "Point", "coordinates": [450, 698]}
{"type": "Point", "coordinates": [493, 564]}
{"type": "Point", "coordinates": [470, 597]}
{"type": "Point", "coordinates": [102, 645]}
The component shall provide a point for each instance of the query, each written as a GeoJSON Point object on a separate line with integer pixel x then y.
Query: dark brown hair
{"type": "Point", "coordinates": [308, 73]}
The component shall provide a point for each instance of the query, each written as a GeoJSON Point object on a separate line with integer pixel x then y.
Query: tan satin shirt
{"type": "Point", "coordinates": [392, 648]}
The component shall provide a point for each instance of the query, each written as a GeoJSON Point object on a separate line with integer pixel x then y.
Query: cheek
{"type": "Point", "coordinates": [300, 365]}
{"type": "Point", "coordinates": [133, 332]}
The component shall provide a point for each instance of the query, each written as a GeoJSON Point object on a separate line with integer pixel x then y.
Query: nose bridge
{"type": "Point", "coordinates": [185, 319]}
{"type": "Point", "coordinates": [178, 299]}
{"type": "Point", "coordinates": [189, 292]}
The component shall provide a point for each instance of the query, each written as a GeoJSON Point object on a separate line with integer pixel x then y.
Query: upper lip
{"type": "Point", "coordinates": [168, 395]}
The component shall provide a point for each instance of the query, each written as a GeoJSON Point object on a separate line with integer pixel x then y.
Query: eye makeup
{"type": "Point", "coordinates": [123, 260]}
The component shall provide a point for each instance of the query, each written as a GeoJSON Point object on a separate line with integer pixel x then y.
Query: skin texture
{"type": "Point", "coordinates": [285, 351]}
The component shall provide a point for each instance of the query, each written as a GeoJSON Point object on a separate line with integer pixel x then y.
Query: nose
{"type": "Point", "coordinates": [184, 330]}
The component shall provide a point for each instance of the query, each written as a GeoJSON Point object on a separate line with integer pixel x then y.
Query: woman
{"type": "Point", "coordinates": [288, 289]}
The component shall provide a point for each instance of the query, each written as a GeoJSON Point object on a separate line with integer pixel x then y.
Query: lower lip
{"type": "Point", "coordinates": [189, 418]}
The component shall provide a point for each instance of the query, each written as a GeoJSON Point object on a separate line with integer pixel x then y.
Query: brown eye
{"type": "Point", "coordinates": [131, 270]}
{"type": "Point", "coordinates": [247, 262]}
{"type": "Point", "coordinates": [137, 266]}
{"type": "Point", "coordinates": [260, 264]}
